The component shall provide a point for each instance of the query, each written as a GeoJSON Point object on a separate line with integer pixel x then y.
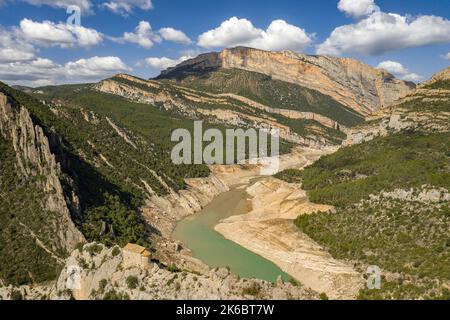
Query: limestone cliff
{"type": "Point", "coordinates": [35, 161]}
{"type": "Point", "coordinates": [426, 109]}
{"type": "Point", "coordinates": [348, 81]}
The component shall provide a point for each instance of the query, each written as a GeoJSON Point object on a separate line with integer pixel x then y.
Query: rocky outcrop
{"type": "Point", "coordinates": [348, 81]}
{"type": "Point", "coordinates": [35, 159]}
{"type": "Point", "coordinates": [25, 292]}
{"type": "Point", "coordinates": [424, 110]}
{"type": "Point", "coordinates": [426, 194]}
{"type": "Point", "coordinates": [440, 76]}
{"type": "Point", "coordinates": [99, 273]}
{"type": "Point", "coordinates": [400, 119]}
{"type": "Point", "coordinates": [290, 114]}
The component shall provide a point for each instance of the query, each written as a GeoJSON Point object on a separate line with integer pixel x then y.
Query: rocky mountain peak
{"type": "Point", "coordinates": [443, 75]}
{"type": "Point", "coordinates": [201, 63]}
{"type": "Point", "coordinates": [346, 80]}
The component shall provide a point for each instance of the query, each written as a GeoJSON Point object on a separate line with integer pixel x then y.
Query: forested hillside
{"type": "Point", "coordinates": [392, 200]}
{"type": "Point", "coordinates": [114, 154]}
{"type": "Point", "coordinates": [263, 89]}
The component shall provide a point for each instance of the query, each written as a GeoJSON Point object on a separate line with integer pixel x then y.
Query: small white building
{"type": "Point", "coordinates": [135, 256]}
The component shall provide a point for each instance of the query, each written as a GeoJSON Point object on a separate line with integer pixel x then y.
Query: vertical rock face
{"type": "Point", "coordinates": [425, 109]}
{"type": "Point", "coordinates": [348, 81]}
{"type": "Point", "coordinates": [34, 159]}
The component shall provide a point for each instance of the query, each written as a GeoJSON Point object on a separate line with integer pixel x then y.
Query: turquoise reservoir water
{"type": "Point", "coordinates": [198, 234]}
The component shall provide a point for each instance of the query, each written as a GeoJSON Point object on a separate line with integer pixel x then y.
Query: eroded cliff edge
{"type": "Point", "coordinates": [348, 81]}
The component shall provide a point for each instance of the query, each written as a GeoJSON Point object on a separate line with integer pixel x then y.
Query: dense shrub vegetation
{"type": "Point", "coordinates": [290, 175]}
{"type": "Point", "coordinates": [109, 199]}
{"type": "Point", "coordinates": [21, 211]}
{"type": "Point", "coordinates": [302, 128]}
{"type": "Point", "coordinates": [104, 170]}
{"type": "Point", "coordinates": [406, 160]}
{"type": "Point", "coordinates": [441, 84]}
{"type": "Point", "coordinates": [399, 236]}
{"type": "Point", "coordinates": [409, 239]}
{"type": "Point", "coordinates": [132, 282]}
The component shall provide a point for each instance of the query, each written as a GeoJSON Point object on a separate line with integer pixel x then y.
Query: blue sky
{"type": "Point", "coordinates": [409, 38]}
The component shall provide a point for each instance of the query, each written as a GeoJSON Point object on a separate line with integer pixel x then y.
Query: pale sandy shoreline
{"type": "Point", "coordinates": [268, 230]}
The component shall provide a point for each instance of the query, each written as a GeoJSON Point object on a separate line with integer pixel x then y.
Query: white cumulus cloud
{"type": "Point", "coordinates": [125, 7]}
{"type": "Point", "coordinates": [143, 36]}
{"type": "Point", "coordinates": [413, 77]}
{"type": "Point", "coordinates": [393, 67]}
{"type": "Point", "coordinates": [94, 67]}
{"type": "Point", "coordinates": [13, 49]}
{"type": "Point", "coordinates": [446, 56]}
{"type": "Point", "coordinates": [162, 63]}
{"type": "Point", "coordinates": [42, 71]}
{"type": "Point", "coordinates": [85, 5]}
{"type": "Point", "coordinates": [48, 33]}
{"type": "Point", "coordinates": [358, 8]}
{"type": "Point", "coordinates": [397, 69]}
{"type": "Point", "coordinates": [382, 32]}
{"type": "Point", "coordinates": [8, 54]}
{"type": "Point", "coordinates": [171, 34]}
{"type": "Point", "coordinates": [241, 32]}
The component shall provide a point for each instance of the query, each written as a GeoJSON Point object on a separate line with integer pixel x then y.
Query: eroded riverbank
{"type": "Point", "coordinates": [198, 234]}
{"type": "Point", "coordinates": [268, 230]}
{"type": "Point", "coordinates": [262, 222]}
